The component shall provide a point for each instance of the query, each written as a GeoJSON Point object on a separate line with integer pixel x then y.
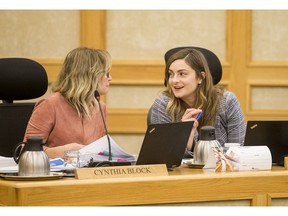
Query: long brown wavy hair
{"type": "Point", "coordinates": [207, 95]}
{"type": "Point", "coordinates": [79, 78]}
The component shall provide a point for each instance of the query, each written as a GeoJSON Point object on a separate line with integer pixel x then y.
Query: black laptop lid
{"type": "Point", "coordinates": [272, 134]}
{"type": "Point", "coordinates": [165, 144]}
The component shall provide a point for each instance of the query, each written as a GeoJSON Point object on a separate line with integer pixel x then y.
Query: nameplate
{"type": "Point", "coordinates": [121, 171]}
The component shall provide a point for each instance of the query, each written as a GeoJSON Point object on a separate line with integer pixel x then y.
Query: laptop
{"type": "Point", "coordinates": [272, 134]}
{"type": "Point", "coordinates": [165, 144]}
{"type": "Point", "coordinates": [162, 144]}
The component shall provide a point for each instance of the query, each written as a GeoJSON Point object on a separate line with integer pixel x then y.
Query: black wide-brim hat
{"type": "Point", "coordinates": [212, 60]}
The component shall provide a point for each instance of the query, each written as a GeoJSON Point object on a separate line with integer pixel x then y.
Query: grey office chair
{"type": "Point", "coordinates": [20, 79]}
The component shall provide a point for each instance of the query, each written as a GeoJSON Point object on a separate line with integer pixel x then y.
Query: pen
{"type": "Point", "coordinates": [199, 116]}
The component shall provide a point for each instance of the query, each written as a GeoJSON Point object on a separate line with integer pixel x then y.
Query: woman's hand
{"type": "Point", "coordinates": [58, 151]}
{"type": "Point", "coordinates": [191, 115]}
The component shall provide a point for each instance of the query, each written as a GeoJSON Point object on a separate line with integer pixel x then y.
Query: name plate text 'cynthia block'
{"type": "Point", "coordinates": [121, 171]}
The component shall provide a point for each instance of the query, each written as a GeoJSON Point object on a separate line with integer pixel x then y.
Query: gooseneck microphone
{"type": "Point", "coordinates": [97, 96]}
{"type": "Point", "coordinates": [109, 162]}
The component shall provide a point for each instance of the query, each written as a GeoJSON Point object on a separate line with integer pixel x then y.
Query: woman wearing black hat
{"type": "Point", "coordinates": [191, 76]}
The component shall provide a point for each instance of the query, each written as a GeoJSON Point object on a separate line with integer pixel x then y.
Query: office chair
{"type": "Point", "coordinates": [20, 79]}
{"type": "Point", "coordinates": [212, 60]}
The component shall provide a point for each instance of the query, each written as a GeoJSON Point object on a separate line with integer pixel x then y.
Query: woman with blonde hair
{"type": "Point", "coordinates": [70, 117]}
{"type": "Point", "coordinates": [191, 90]}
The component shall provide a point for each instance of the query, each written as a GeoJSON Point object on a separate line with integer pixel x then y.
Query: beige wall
{"type": "Point", "coordinates": [38, 34]}
{"type": "Point", "coordinates": [149, 34]}
{"type": "Point", "coordinates": [254, 56]}
{"type": "Point", "coordinates": [269, 41]}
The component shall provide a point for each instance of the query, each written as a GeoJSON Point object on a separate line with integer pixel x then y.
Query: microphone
{"type": "Point", "coordinates": [97, 96]}
{"type": "Point", "coordinates": [109, 162]}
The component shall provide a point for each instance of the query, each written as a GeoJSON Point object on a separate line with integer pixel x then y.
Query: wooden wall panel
{"type": "Point", "coordinates": [240, 72]}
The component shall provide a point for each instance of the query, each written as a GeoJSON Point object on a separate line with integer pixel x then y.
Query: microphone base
{"type": "Point", "coordinates": [108, 163]}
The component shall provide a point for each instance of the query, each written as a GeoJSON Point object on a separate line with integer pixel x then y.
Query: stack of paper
{"type": "Point", "coordinates": [99, 151]}
{"type": "Point", "coordinates": [8, 165]}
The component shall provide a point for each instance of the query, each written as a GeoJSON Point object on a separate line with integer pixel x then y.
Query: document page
{"type": "Point", "coordinates": [99, 151]}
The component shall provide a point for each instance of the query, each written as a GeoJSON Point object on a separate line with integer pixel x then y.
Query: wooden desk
{"type": "Point", "coordinates": [183, 186]}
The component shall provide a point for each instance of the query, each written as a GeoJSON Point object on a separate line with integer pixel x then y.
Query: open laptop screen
{"type": "Point", "coordinates": [272, 134]}
{"type": "Point", "coordinates": [165, 144]}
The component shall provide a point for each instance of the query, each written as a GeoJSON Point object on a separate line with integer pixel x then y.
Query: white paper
{"type": "Point", "coordinates": [7, 161]}
{"type": "Point", "coordinates": [8, 165]}
{"type": "Point", "coordinates": [94, 150]}
{"type": "Point", "coordinates": [240, 158]}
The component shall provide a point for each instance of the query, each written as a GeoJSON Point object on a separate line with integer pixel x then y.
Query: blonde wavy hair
{"type": "Point", "coordinates": [82, 70]}
{"type": "Point", "coordinates": [207, 95]}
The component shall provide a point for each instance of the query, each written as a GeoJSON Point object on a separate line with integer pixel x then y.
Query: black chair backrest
{"type": "Point", "coordinates": [13, 122]}
{"type": "Point", "coordinates": [20, 79]}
